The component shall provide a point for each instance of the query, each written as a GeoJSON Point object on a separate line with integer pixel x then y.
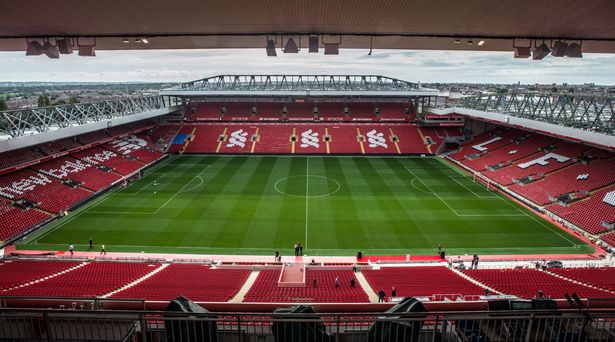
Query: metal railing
{"type": "Point", "coordinates": [76, 325]}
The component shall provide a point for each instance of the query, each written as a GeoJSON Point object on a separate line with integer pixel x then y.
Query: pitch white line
{"type": "Point", "coordinates": [179, 191]}
{"type": "Point", "coordinates": [470, 190]}
{"type": "Point", "coordinates": [433, 192]}
{"type": "Point", "coordinates": [150, 183]}
{"type": "Point", "coordinates": [307, 196]}
{"type": "Point", "coordinates": [317, 249]}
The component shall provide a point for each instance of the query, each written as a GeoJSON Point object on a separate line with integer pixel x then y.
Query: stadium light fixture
{"type": "Point", "coordinates": [125, 40]}
{"type": "Point", "coordinates": [559, 49]}
{"type": "Point", "coordinates": [457, 41]}
{"type": "Point", "coordinates": [65, 46]}
{"type": "Point", "coordinates": [313, 44]}
{"type": "Point", "coordinates": [541, 52]}
{"type": "Point", "coordinates": [138, 40]}
{"type": "Point", "coordinates": [470, 42]}
{"type": "Point", "coordinates": [34, 48]}
{"type": "Point", "coordinates": [574, 50]}
{"type": "Point", "coordinates": [50, 50]}
{"type": "Point", "coordinates": [333, 48]}
{"type": "Point", "coordinates": [481, 42]}
{"type": "Point", "coordinates": [145, 40]}
{"type": "Point", "coordinates": [271, 48]}
{"type": "Point", "coordinates": [291, 46]}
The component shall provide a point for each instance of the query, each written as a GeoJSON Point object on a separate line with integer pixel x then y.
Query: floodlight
{"type": "Point", "coordinates": [313, 44]}
{"type": "Point", "coordinates": [470, 42]}
{"type": "Point", "coordinates": [522, 52]}
{"type": "Point", "coordinates": [540, 52]}
{"type": "Point", "coordinates": [457, 41]}
{"type": "Point", "coordinates": [65, 46]}
{"type": "Point", "coordinates": [125, 40]}
{"type": "Point", "coordinates": [574, 51]}
{"type": "Point", "coordinates": [332, 48]}
{"type": "Point", "coordinates": [51, 51]}
{"type": "Point", "coordinates": [87, 50]}
{"type": "Point", "coordinates": [291, 46]}
{"type": "Point", "coordinates": [145, 41]}
{"type": "Point", "coordinates": [138, 40]}
{"type": "Point", "coordinates": [481, 42]}
{"type": "Point", "coordinates": [34, 48]}
{"type": "Point", "coordinates": [559, 49]}
{"type": "Point", "coordinates": [271, 48]}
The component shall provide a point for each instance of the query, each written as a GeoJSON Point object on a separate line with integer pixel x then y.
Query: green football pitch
{"type": "Point", "coordinates": [332, 205]}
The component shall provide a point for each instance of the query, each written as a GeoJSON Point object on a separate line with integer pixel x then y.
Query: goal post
{"type": "Point", "coordinates": [479, 178]}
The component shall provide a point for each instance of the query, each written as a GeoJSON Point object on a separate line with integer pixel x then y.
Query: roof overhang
{"type": "Point", "coordinates": [569, 133]}
{"type": "Point", "coordinates": [381, 24]}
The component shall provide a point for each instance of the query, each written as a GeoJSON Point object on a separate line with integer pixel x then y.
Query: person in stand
{"type": "Point", "coordinates": [71, 249]}
{"type": "Point", "coordinates": [476, 258]}
{"type": "Point", "coordinates": [300, 249]}
{"type": "Point", "coordinates": [337, 281]}
{"type": "Point", "coordinates": [90, 243]}
{"type": "Point", "coordinates": [393, 292]}
{"type": "Point", "coordinates": [381, 295]}
{"type": "Point", "coordinates": [487, 293]}
{"type": "Point", "coordinates": [296, 249]}
{"type": "Point", "coordinates": [277, 255]}
{"type": "Point", "coordinates": [439, 248]}
{"type": "Point", "coordinates": [540, 295]}
{"type": "Point", "coordinates": [102, 250]}
{"type": "Point", "coordinates": [314, 283]}
{"type": "Point", "coordinates": [352, 282]}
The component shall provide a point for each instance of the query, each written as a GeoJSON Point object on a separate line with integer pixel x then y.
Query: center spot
{"type": "Point", "coordinates": [317, 186]}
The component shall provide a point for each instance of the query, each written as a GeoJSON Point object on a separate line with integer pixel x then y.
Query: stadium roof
{"type": "Point", "coordinates": [394, 24]}
{"type": "Point", "coordinates": [300, 85]}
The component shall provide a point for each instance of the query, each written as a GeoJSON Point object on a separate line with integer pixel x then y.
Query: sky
{"type": "Point", "coordinates": [411, 65]}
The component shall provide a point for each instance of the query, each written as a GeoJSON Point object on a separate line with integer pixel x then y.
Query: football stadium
{"type": "Point", "coordinates": [310, 207]}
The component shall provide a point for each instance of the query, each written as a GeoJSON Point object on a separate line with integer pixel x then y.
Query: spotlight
{"type": "Point", "coordinates": [522, 52]}
{"type": "Point", "coordinates": [34, 48]}
{"type": "Point", "coordinates": [138, 40]}
{"type": "Point", "coordinates": [313, 44]}
{"type": "Point", "coordinates": [481, 42]}
{"type": "Point", "coordinates": [559, 49]}
{"type": "Point", "coordinates": [470, 42]}
{"type": "Point", "coordinates": [87, 50]}
{"type": "Point", "coordinates": [540, 52]}
{"type": "Point", "coordinates": [65, 46]}
{"type": "Point", "coordinates": [574, 51]}
{"type": "Point", "coordinates": [271, 48]}
{"type": "Point", "coordinates": [125, 40]}
{"type": "Point", "coordinates": [332, 48]}
{"type": "Point", "coordinates": [291, 46]}
{"type": "Point", "coordinates": [51, 51]}
{"type": "Point", "coordinates": [457, 41]}
{"type": "Point", "coordinates": [145, 41]}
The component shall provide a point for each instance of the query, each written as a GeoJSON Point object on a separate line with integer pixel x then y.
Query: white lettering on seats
{"type": "Point", "coordinates": [512, 152]}
{"type": "Point", "coordinates": [583, 176]}
{"type": "Point", "coordinates": [66, 168]}
{"type": "Point", "coordinates": [127, 145]}
{"type": "Point", "coordinates": [100, 157]}
{"type": "Point", "coordinates": [238, 138]}
{"type": "Point", "coordinates": [544, 160]}
{"type": "Point", "coordinates": [609, 198]}
{"type": "Point", "coordinates": [481, 147]}
{"type": "Point", "coordinates": [376, 139]}
{"type": "Point", "coordinates": [309, 139]}
{"type": "Point", "coordinates": [26, 184]}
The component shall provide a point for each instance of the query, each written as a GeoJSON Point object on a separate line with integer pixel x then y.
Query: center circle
{"type": "Point", "coordinates": [317, 186]}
